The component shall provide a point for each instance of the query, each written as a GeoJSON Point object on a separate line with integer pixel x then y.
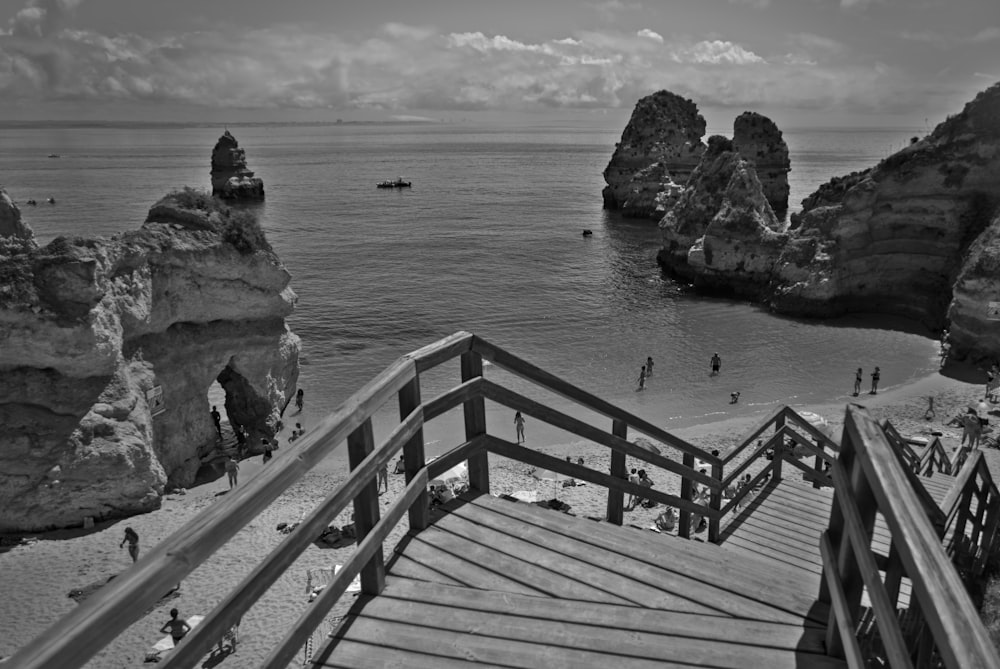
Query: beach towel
{"type": "Point", "coordinates": [166, 644]}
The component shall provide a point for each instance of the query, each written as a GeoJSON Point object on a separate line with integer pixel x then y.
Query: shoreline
{"type": "Point", "coordinates": [57, 562]}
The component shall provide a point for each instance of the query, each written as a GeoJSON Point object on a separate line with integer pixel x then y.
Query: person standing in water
{"type": "Point", "coordinates": [857, 382]}
{"type": "Point", "coordinates": [875, 377]}
{"type": "Point", "coordinates": [716, 364]}
{"type": "Point", "coordinates": [642, 378]}
{"type": "Point", "coordinates": [519, 426]}
{"type": "Point", "coordinates": [299, 400]}
{"type": "Point", "coordinates": [649, 366]}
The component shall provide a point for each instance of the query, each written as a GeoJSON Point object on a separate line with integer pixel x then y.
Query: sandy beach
{"type": "Point", "coordinates": [38, 577]}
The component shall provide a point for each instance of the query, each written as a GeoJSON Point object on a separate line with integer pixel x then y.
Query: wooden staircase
{"type": "Point", "coordinates": [498, 582]}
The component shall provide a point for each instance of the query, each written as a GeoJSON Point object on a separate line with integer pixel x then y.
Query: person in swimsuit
{"type": "Point", "coordinates": [133, 543]}
{"type": "Point", "coordinates": [176, 627]}
{"type": "Point", "coordinates": [716, 363]}
{"type": "Point", "coordinates": [233, 470]}
{"type": "Point", "coordinates": [857, 382]}
{"type": "Point", "coordinates": [875, 377]}
{"type": "Point", "coordinates": [649, 366]}
{"type": "Point", "coordinates": [642, 378]}
{"type": "Point", "coordinates": [519, 426]}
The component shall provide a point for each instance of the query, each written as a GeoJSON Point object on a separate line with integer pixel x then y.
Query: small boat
{"type": "Point", "coordinates": [53, 155]}
{"type": "Point", "coordinates": [398, 183]}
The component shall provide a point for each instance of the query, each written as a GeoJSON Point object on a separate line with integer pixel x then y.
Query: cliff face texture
{"type": "Point", "coordinates": [761, 144]}
{"type": "Point", "coordinates": [10, 219]}
{"type": "Point", "coordinates": [109, 348]}
{"type": "Point", "coordinates": [974, 327]}
{"type": "Point", "coordinates": [896, 238]}
{"type": "Point", "coordinates": [659, 148]}
{"type": "Point", "coordinates": [231, 180]}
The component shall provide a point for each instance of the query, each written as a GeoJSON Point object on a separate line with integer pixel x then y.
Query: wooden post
{"type": "Point", "coordinates": [360, 443]}
{"type": "Point", "coordinates": [779, 448]}
{"type": "Point", "coordinates": [475, 424]}
{"type": "Point", "coordinates": [835, 532]}
{"type": "Point", "coordinates": [413, 455]}
{"type": "Point", "coordinates": [818, 465]}
{"type": "Point", "coordinates": [616, 498]}
{"type": "Point", "coordinates": [715, 503]}
{"type": "Point", "coordinates": [684, 518]}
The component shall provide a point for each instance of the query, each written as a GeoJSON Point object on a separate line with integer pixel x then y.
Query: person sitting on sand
{"type": "Point", "coordinates": [646, 482]}
{"type": "Point", "coordinates": [667, 520]}
{"type": "Point", "coordinates": [176, 627]}
{"type": "Point", "coordinates": [133, 543]}
{"type": "Point", "coordinates": [734, 397]}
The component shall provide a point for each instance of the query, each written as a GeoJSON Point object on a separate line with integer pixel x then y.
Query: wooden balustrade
{"type": "Point", "coordinates": [98, 620]}
{"type": "Point", "coordinates": [870, 477]}
{"type": "Point", "coordinates": [972, 509]}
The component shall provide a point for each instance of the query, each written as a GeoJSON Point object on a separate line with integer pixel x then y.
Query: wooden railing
{"type": "Point", "coordinates": [77, 637]}
{"type": "Point", "coordinates": [934, 457]}
{"type": "Point", "coordinates": [972, 513]}
{"type": "Point", "coordinates": [943, 625]}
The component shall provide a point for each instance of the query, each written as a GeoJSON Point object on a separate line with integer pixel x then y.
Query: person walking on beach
{"type": "Point", "coordinates": [383, 478]}
{"type": "Point", "coordinates": [519, 426]}
{"type": "Point", "coordinates": [299, 398]}
{"type": "Point", "coordinates": [633, 477]}
{"type": "Point", "coordinates": [649, 366]}
{"type": "Point", "coordinates": [642, 378]}
{"type": "Point", "coordinates": [232, 470]}
{"type": "Point", "coordinates": [217, 419]}
{"type": "Point", "coordinates": [133, 543]}
{"type": "Point", "coordinates": [929, 414]}
{"type": "Point", "coordinates": [875, 377]}
{"type": "Point", "coordinates": [268, 450]}
{"type": "Point", "coordinates": [857, 382]}
{"type": "Point", "coordinates": [176, 627]}
{"type": "Point", "coordinates": [716, 364]}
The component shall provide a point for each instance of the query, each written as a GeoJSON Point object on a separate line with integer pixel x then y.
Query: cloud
{"type": "Point", "coordinates": [611, 9]}
{"type": "Point", "coordinates": [650, 34]}
{"type": "Point", "coordinates": [756, 4]}
{"type": "Point", "coordinates": [942, 41]}
{"type": "Point", "coordinates": [39, 18]}
{"type": "Point", "coordinates": [412, 70]}
{"type": "Point", "coordinates": [986, 35]}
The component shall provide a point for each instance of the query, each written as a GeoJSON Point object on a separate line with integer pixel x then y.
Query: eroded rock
{"type": "Point", "coordinates": [659, 148]}
{"type": "Point", "coordinates": [231, 180]}
{"type": "Point", "coordinates": [761, 144]}
{"type": "Point", "coordinates": [100, 335]}
{"type": "Point", "coordinates": [11, 225]}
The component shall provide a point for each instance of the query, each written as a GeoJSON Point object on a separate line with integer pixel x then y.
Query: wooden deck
{"type": "Point", "coordinates": [498, 582]}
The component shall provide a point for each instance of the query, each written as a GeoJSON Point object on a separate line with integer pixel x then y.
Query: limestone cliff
{"type": "Point", "coordinates": [761, 144]}
{"type": "Point", "coordinates": [10, 220]}
{"type": "Point", "coordinates": [659, 148]}
{"type": "Point", "coordinates": [109, 349]}
{"type": "Point", "coordinates": [893, 239]}
{"type": "Point", "coordinates": [231, 180]}
{"type": "Point", "coordinates": [974, 327]}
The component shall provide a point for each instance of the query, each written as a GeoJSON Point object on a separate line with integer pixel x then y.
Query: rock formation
{"type": "Point", "coordinates": [904, 237]}
{"type": "Point", "coordinates": [761, 144]}
{"type": "Point", "coordinates": [231, 180]}
{"type": "Point", "coordinates": [722, 225]}
{"type": "Point", "coordinates": [10, 220]}
{"type": "Point", "coordinates": [975, 328]}
{"type": "Point", "coordinates": [659, 148]}
{"type": "Point", "coordinates": [110, 346]}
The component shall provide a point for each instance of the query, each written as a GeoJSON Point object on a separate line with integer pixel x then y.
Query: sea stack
{"type": "Point", "coordinates": [110, 347]}
{"type": "Point", "coordinates": [231, 180]}
{"type": "Point", "coordinates": [761, 144]}
{"type": "Point", "coordinates": [659, 148]}
{"type": "Point", "coordinates": [915, 236]}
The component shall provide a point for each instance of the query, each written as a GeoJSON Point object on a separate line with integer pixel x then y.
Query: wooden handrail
{"type": "Point", "coordinates": [760, 428]}
{"type": "Point", "coordinates": [870, 465]}
{"type": "Point", "coordinates": [539, 376]}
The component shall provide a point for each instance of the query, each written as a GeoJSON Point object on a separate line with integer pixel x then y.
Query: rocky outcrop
{"type": "Point", "coordinates": [110, 346]}
{"type": "Point", "coordinates": [722, 225]}
{"type": "Point", "coordinates": [659, 148]}
{"type": "Point", "coordinates": [973, 316]}
{"type": "Point", "coordinates": [231, 180]}
{"type": "Point", "coordinates": [10, 220]}
{"type": "Point", "coordinates": [893, 239]}
{"type": "Point", "coordinates": [761, 144]}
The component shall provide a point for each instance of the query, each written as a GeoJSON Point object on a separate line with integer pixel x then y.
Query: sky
{"type": "Point", "coordinates": [804, 63]}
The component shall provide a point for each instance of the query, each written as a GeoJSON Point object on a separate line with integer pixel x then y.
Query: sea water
{"type": "Point", "coordinates": [488, 240]}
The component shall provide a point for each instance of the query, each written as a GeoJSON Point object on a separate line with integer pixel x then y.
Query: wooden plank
{"type": "Point", "coordinates": [619, 470]}
{"type": "Point", "coordinates": [235, 605]}
{"type": "Point", "coordinates": [442, 350]}
{"type": "Point", "coordinates": [954, 621]}
{"type": "Point", "coordinates": [578, 427]}
{"type": "Point", "coordinates": [693, 566]}
{"type": "Point", "coordinates": [282, 654]}
{"type": "Point", "coordinates": [843, 619]}
{"type": "Point", "coordinates": [360, 444]}
{"type": "Point", "coordinates": [460, 394]}
{"type": "Point", "coordinates": [537, 459]}
{"type": "Point", "coordinates": [524, 369]}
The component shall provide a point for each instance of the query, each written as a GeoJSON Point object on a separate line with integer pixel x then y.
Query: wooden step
{"type": "Point", "coordinates": [420, 624]}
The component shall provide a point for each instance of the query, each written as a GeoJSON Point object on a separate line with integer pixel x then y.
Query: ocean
{"type": "Point", "coordinates": [487, 240]}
